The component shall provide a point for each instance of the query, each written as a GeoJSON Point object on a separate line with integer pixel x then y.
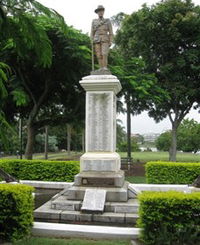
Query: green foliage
{"type": "Point", "coordinates": [163, 141]}
{"type": "Point", "coordinates": [41, 169]}
{"type": "Point", "coordinates": [122, 146]}
{"type": "Point", "coordinates": [167, 37]}
{"type": "Point", "coordinates": [172, 172]}
{"type": "Point", "coordinates": [54, 96]}
{"type": "Point", "coordinates": [76, 134]}
{"type": "Point", "coordinates": [188, 139]}
{"type": "Point", "coordinates": [40, 141]}
{"type": "Point", "coordinates": [140, 85]}
{"type": "Point", "coordinates": [169, 218]}
{"type": "Point", "coordinates": [18, 23]}
{"type": "Point", "coordinates": [188, 136]}
{"type": "Point", "coordinates": [21, 33]}
{"type": "Point", "coordinates": [16, 215]}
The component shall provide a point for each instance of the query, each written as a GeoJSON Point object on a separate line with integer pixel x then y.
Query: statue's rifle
{"type": "Point", "coordinates": [92, 55]}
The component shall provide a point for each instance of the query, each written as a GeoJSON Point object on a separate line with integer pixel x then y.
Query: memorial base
{"type": "Point", "coordinates": [113, 194]}
{"type": "Point", "coordinates": [100, 179]}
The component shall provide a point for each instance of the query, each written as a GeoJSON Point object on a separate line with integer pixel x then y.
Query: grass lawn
{"type": "Point", "coordinates": [137, 156]}
{"type": "Point", "coordinates": [53, 241]}
{"type": "Point", "coordinates": [163, 156]}
{"type": "Point", "coordinates": [136, 179]}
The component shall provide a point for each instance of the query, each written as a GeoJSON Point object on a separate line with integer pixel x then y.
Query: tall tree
{"type": "Point", "coordinates": [167, 37]}
{"type": "Point", "coordinates": [19, 30]}
{"type": "Point", "coordinates": [139, 88]}
{"type": "Point", "coordinates": [53, 93]}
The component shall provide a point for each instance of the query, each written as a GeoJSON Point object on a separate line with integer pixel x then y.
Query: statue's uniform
{"type": "Point", "coordinates": [101, 35]}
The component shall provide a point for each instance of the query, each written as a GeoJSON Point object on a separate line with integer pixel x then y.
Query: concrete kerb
{"type": "Point", "coordinates": [47, 184]}
{"type": "Point", "coordinates": [84, 231]}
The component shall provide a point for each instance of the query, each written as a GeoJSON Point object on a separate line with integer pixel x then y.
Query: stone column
{"type": "Point", "coordinates": [100, 165]}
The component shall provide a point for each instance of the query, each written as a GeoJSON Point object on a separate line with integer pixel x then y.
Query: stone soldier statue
{"type": "Point", "coordinates": [101, 37]}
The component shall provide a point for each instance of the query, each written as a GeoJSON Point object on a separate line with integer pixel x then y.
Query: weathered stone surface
{"type": "Point", "coordinates": [113, 194]}
{"type": "Point", "coordinates": [101, 93]}
{"type": "Point", "coordinates": [101, 72]}
{"type": "Point", "coordinates": [101, 83]}
{"type": "Point", "coordinates": [61, 203]}
{"type": "Point", "coordinates": [109, 218]}
{"type": "Point", "coordinates": [94, 200]}
{"type": "Point", "coordinates": [99, 162]}
{"type": "Point", "coordinates": [99, 121]}
{"type": "Point", "coordinates": [131, 218]}
{"type": "Point", "coordinates": [97, 179]}
{"type": "Point", "coordinates": [45, 212]}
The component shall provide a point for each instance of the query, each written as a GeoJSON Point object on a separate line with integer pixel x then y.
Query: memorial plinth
{"type": "Point", "coordinates": [100, 165]}
{"type": "Point", "coordinates": [99, 192]}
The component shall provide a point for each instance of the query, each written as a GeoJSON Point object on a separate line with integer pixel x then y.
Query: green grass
{"type": "Point", "coordinates": [53, 241]}
{"type": "Point", "coordinates": [137, 156]}
{"type": "Point", "coordinates": [136, 179]}
{"type": "Point", "coordinates": [162, 156]}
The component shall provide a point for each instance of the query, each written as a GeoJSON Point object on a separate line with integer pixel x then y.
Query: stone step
{"type": "Point", "coordinates": [84, 231]}
{"type": "Point", "coordinates": [45, 212]}
{"type": "Point", "coordinates": [131, 206]}
{"type": "Point", "coordinates": [112, 194]}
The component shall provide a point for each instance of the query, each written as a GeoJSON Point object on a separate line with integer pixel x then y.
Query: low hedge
{"type": "Point", "coordinates": [41, 169]}
{"type": "Point", "coordinates": [169, 218]}
{"type": "Point", "coordinates": [16, 211]}
{"type": "Point", "coordinates": [172, 172]}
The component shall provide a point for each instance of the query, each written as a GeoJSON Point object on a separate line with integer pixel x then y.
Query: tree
{"type": "Point", "coordinates": [139, 88]}
{"type": "Point", "coordinates": [122, 147]}
{"type": "Point", "coordinates": [53, 93]}
{"type": "Point", "coordinates": [167, 37]}
{"type": "Point", "coordinates": [22, 32]}
{"type": "Point", "coordinates": [163, 141]}
{"type": "Point", "coordinates": [187, 137]}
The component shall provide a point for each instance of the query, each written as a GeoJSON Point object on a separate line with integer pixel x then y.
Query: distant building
{"type": "Point", "coordinates": [150, 137]}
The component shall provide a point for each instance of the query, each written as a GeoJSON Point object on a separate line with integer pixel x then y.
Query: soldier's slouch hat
{"type": "Point", "coordinates": [100, 7]}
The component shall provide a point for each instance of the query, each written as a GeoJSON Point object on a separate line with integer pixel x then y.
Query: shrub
{"type": "Point", "coordinates": [172, 172]}
{"type": "Point", "coordinates": [41, 169]}
{"type": "Point", "coordinates": [169, 218]}
{"type": "Point", "coordinates": [16, 211]}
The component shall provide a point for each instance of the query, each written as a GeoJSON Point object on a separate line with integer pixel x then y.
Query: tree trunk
{"type": "Point", "coordinates": [30, 141]}
{"type": "Point", "coordinates": [173, 147]}
{"type": "Point", "coordinates": [20, 138]}
{"type": "Point", "coordinates": [128, 127]}
{"type": "Point", "coordinates": [46, 142]}
{"type": "Point", "coordinates": [68, 139]}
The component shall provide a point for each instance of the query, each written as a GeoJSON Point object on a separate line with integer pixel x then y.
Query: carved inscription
{"type": "Point", "coordinates": [100, 121]}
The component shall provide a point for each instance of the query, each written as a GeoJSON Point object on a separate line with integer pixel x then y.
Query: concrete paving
{"type": "Point", "coordinates": [84, 231]}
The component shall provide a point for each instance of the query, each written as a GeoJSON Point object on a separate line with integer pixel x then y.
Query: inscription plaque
{"type": "Point", "coordinates": [94, 200]}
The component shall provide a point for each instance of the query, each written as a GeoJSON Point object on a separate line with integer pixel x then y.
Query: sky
{"type": "Point", "coordinates": [79, 14]}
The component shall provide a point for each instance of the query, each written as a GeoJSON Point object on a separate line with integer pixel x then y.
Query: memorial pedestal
{"type": "Point", "coordinates": [100, 165]}
{"type": "Point", "coordinates": [100, 185]}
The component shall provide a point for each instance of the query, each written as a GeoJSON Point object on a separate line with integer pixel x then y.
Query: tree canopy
{"type": "Point", "coordinates": [167, 37]}
{"type": "Point", "coordinates": [51, 94]}
{"type": "Point", "coordinates": [187, 137]}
